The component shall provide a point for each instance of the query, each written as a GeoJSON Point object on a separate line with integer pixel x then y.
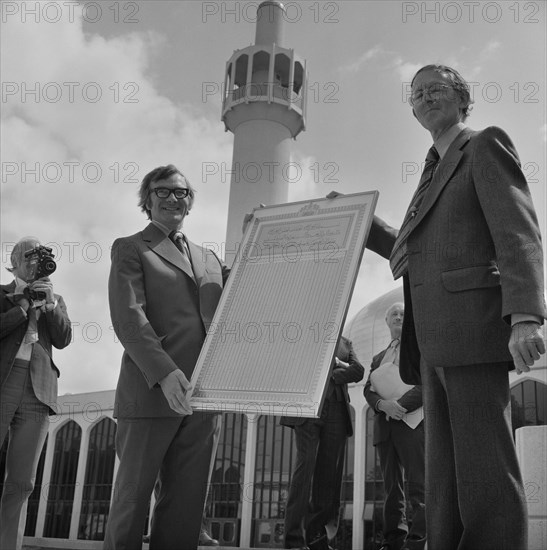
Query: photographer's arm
{"type": "Point", "coordinates": [58, 324]}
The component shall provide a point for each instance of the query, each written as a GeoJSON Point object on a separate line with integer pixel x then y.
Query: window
{"type": "Point", "coordinates": [101, 456]}
{"type": "Point", "coordinates": [63, 481]}
{"type": "Point", "coordinates": [528, 404]}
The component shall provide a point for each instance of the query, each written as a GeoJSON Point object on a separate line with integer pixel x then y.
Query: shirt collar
{"type": "Point", "coordinates": [164, 228]}
{"type": "Point", "coordinates": [19, 285]}
{"type": "Point", "coordinates": [444, 142]}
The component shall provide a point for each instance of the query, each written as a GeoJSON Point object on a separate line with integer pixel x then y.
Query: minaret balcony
{"type": "Point", "coordinates": [265, 92]}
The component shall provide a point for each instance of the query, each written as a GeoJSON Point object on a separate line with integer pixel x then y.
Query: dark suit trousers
{"type": "Point", "coordinates": [176, 451]}
{"type": "Point", "coordinates": [27, 420]}
{"type": "Point", "coordinates": [474, 491]}
{"type": "Point", "coordinates": [314, 494]}
{"type": "Point", "coordinates": [403, 453]}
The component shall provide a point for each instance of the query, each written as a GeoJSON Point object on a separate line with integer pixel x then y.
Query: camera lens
{"type": "Point", "coordinates": [49, 267]}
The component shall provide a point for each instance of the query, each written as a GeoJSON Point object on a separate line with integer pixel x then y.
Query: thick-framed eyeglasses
{"type": "Point", "coordinates": [164, 192]}
{"type": "Point", "coordinates": [434, 92]}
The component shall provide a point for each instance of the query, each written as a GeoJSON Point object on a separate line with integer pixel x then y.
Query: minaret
{"type": "Point", "coordinates": [264, 106]}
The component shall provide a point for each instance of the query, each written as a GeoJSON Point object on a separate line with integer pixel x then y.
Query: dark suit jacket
{"type": "Point", "coordinates": [159, 314]}
{"type": "Point", "coordinates": [411, 400]}
{"type": "Point", "coordinates": [337, 389]}
{"type": "Point", "coordinates": [475, 257]}
{"type": "Point", "coordinates": [54, 329]}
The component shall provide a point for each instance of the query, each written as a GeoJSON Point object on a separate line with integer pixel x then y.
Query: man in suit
{"type": "Point", "coordinates": [314, 494]}
{"type": "Point", "coordinates": [32, 320]}
{"type": "Point", "coordinates": [163, 292]}
{"type": "Point", "coordinates": [399, 441]}
{"type": "Point", "coordinates": [471, 258]}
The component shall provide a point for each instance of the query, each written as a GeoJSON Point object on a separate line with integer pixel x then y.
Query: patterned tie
{"type": "Point", "coordinates": [392, 353]}
{"type": "Point", "coordinates": [178, 238]}
{"type": "Point", "coordinates": [31, 336]}
{"type": "Point", "coordinates": [398, 260]}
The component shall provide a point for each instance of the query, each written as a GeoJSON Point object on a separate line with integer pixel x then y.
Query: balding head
{"type": "Point", "coordinates": [394, 319]}
{"type": "Point", "coordinates": [18, 255]}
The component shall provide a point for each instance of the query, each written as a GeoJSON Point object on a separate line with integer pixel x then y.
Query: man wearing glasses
{"type": "Point", "coordinates": [470, 255]}
{"type": "Point", "coordinates": [163, 292]}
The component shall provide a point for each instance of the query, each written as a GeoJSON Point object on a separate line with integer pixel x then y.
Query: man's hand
{"type": "Point", "coordinates": [46, 286]}
{"type": "Point", "coordinates": [175, 386]}
{"type": "Point", "coordinates": [248, 218]}
{"type": "Point", "coordinates": [391, 408]}
{"type": "Point", "coordinates": [20, 300]}
{"type": "Point", "coordinates": [526, 345]}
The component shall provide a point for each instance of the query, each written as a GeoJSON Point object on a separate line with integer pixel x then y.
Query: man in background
{"type": "Point", "coordinates": [313, 504]}
{"type": "Point", "coordinates": [399, 440]}
{"type": "Point", "coordinates": [33, 319]}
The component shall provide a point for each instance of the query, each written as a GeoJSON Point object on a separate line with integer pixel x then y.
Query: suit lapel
{"type": "Point", "coordinates": [198, 262]}
{"type": "Point", "coordinates": [9, 289]}
{"type": "Point", "coordinates": [444, 172]}
{"type": "Point", "coordinates": [157, 241]}
{"type": "Point", "coordinates": [378, 360]}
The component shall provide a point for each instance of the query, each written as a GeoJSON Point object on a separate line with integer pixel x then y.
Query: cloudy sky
{"type": "Point", "coordinates": [96, 94]}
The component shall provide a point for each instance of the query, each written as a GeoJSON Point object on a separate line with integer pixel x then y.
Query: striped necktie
{"type": "Point", "coordinates": [398, 260]}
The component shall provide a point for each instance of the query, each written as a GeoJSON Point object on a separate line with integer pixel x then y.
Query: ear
{"type": "Point", "coordinates": [148, 204]}
{"type": "Point", "coordinates": [461, 106]}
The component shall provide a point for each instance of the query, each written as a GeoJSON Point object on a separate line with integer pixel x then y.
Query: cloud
{"type": "Point", "coordinates": [405, 70]}
{"type": "Point", "coordinates": [367, 56]}
{"type": "Point", "coordinates": [86, 122]}
{"type": "Point", "coordinates": [486, 54]}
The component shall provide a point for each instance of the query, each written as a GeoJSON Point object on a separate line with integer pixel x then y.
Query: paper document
{"type": "Point", "coordinates": [386, 382]}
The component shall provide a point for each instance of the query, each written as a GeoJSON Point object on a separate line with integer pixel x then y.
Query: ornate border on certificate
{"type": "Point", "coordinates": [276, 328]}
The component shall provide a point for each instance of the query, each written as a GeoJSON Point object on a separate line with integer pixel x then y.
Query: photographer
{"type": "Point", "coordinates": [32, 320]}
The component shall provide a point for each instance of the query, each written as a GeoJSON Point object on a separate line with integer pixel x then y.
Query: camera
{"type": "Point", "coordinates": [40, 264]}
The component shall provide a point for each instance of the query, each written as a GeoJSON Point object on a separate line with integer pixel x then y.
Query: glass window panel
{"type": "Point", "coordinates": [101, 456]}
{"type": "Point", "coordinates": [63, 481]}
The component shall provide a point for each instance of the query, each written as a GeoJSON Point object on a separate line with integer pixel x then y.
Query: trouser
{"type": "Point", "coordinates": [26, 420]}
{"type": "Point", "coordinates": [314, 494]}
{"type": "Point", "coordinates": [175, 452]}
{"type": "Point", "coordinates": [474, 490]}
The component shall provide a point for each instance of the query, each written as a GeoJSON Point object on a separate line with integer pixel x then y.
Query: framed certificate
{"type": "Point", "coordinates": [277, 325]}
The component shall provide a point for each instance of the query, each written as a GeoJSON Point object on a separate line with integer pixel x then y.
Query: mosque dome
{"type": "Point", "coordinates": [368, 330]}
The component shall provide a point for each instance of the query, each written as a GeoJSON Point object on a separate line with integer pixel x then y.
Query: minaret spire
{"type": "Point", "coordinates": [264, 106]}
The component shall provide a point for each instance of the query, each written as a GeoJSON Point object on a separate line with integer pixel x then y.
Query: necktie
{"type": "Point", "coordinates": [392, 353]}
{"type": "Point", "coordinates": [178, 238]}
{"type": "Point", "coordinates": [31, 336]}
{"type": "Point", "coordinates": [399, 258]}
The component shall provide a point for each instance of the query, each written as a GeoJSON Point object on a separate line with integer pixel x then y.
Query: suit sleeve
{"type": "Point", "coordinates": [58, 324]}
{"type": "Point", "coordinates": [381, 237]}
{"type": "Point", "coordinates": [370, 395]}
{"type": "Point", "coordinates": [127, 298]}
{"type": "Point", "coordinates": [412, 399]}
{"type": "Point", "coordinates": [10, 320]}
{"type": "Point", "coordinates": [353, 373]}
{"type": "Point", "coordinates": [507, 206]}
{"type": "Point", "coordinates": [224, 269]}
